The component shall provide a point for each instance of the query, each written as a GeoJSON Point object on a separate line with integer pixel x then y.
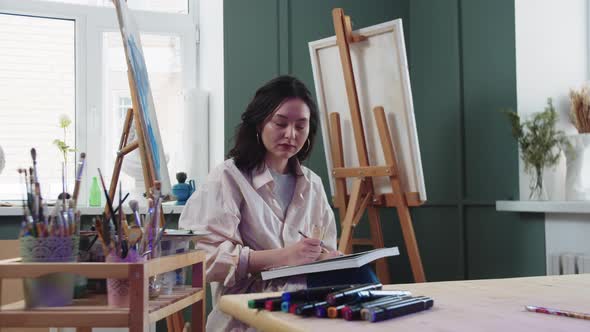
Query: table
{"type": "Point", "coordinates": [470, 305]}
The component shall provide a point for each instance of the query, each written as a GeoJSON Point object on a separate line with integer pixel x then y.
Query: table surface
{"type": "Point", "coordinates": [470, 305]}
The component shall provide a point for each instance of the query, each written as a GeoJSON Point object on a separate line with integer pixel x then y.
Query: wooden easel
{"type": "Point", "coordinates": [175, 321]}
{"type": "Point", "coordinates": [362, 196]}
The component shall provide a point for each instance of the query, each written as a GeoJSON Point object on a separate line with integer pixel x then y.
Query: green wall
{"type": "Point", "coordinates": [462, 68]}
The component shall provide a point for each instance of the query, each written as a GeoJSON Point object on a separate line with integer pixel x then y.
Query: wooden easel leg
{"type": "Point", "coordinates": [119, 159]}
{"type": "Point", "coordinates": [169, 323]}
{"type": "Point", "coordinates": [377, 239]}
{"type": "Point", "coordinates": [338, 161]}
{"type": "Point", "coordinates": [347, 224]}
{"type": "Point", "coordinates": [178, 321]}
{"type": "Point", "coordinates": [198, 313]}
{"type": "Point", "coordinates": [411, 245]}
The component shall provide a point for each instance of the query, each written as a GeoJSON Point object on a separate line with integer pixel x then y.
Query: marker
{"type": "Point", "coordinates": [307, 309]}
{"type": "Point", "coordinates": [285, 306]}
{"type": "Point", "coordinates": [374, 294]}
{"type": "Point", "coordinates": [259, 303]}
{"type": "Point", "coordinates": [313, 294]}
{"type": "Point", "coordinates": [273, 304]}
{"type": "Point", "coordinates": [399, 309]}
{"type": "Point", "coordinates": [366, 312]}
{"type": "Point", "coordinates": [346, 295]}
{"type": "Point", "coordinates": [321, 311]}
{"type": "Point", "coordinates": [293, 308]}
{"type": "Point", "coordinates": [353, 312]}
{"type": "Point", "coordinates": [334, 312]}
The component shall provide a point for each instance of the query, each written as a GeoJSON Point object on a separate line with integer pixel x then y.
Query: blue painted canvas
{"type": "Point", "coordinates": [138, 71]}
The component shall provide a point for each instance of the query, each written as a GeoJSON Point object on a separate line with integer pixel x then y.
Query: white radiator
{"type": "Point", "coordinates": [568, 263]}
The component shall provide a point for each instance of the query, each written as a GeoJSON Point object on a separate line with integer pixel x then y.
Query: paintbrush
{"type": "Point", "coordinates": [159, 237]}
{"type": "Point", "coordinates": [135, 232]}
{"type": "Point", "coordinates": [135, 209]}
{"type": "Point", "coordinates": [26, 217]}
{"type": "Point", "coordinates": [34, 157]}
{"type": "Point", "coordinates": [106, 232]}
{"type": "Point", "coordinates": [28, 187]}
{"type": "Point", "coordinates": [146, 239]}
{"type": "Point", "coordinates": [81, 164]}
{"type": "Point", "coordinates": [122, 233]}
{"type": "Point", "coordinates": [122, 201]}
{"type": "Point", "coordinates": [20, 171]}
{"type": "Point", "coordinates": [38, 211]}
{"type": "Point", "coordinates": [109, 202]}
{"type": "Point", "coordinates": [31, 192]}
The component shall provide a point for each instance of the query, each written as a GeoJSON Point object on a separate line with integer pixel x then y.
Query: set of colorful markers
{"type": "Point", "coordinates": [350, 302]}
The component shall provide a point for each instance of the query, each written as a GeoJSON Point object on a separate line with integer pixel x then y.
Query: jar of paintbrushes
{"type": "Point", "coordinates": [131, 241]}
{"type": "Point", "coordinates": [49, 235]}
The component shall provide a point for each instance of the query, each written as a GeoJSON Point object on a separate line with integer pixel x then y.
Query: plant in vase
{"type": "Point", "coordinates": [62, 145]}
{"type": "Point", "coordinates": [580, 117]}
{"type": "Point", "coordinates": [540, 145]}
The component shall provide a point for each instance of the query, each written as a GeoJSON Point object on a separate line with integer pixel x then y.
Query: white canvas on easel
{"type": "Point", "coordinates": [382, 78]}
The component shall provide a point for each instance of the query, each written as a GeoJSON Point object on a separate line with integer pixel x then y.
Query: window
{"type": "Point", "coordinates": [59, 57]}
{"type": "Point", "coordinates": [168, 6]}
{"type": "Point", "coordinates": [163, 59]}
{"type": "Point", "coordinates": [123, 105]}
{"type": "Point", "coordinates": [36, 88]}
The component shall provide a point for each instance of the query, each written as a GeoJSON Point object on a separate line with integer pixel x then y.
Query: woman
{"type": "Point", "coordinates": [258, 201]}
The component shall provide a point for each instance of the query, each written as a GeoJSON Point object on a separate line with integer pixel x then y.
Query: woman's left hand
{"type": "Point", "coordinates": [329, 254]}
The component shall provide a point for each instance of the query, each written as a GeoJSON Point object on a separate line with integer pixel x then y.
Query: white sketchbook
{"type": "Point", "coordinates": [337, 263]}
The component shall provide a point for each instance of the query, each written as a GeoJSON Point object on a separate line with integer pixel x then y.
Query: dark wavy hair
{"type": "Point", "coordinates": [248, 151]}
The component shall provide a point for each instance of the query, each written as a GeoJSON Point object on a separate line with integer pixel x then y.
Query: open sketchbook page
{"type": "Point", "coordinates": [337, 263]}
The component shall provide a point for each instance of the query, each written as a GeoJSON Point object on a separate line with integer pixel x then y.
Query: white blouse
{"type": "Point", "coordinates": [242, 213]}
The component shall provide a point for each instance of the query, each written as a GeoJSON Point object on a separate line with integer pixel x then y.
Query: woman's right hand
{"type": "Point", "coordinates": [305, 251]}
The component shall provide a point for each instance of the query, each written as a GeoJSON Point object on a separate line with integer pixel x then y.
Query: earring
{"type": "Point", "coordinates": [258, 138]}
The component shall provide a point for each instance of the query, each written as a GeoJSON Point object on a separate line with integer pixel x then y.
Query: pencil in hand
{"type": "Point", "coordinates": [324, 249]}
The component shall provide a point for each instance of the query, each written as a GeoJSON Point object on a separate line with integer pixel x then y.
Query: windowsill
{"type": "Point", "coordinates": [169, 207]}
{"type": "Point", "coordinates": [544, 206]}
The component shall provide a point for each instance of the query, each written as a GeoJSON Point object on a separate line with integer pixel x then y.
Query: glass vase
{"type": "Point", "coordinates": [537, 186]}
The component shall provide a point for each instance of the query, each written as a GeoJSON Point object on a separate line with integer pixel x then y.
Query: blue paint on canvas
{"type": "Point", "coordinates": [143, 90]}
{"type": "Point", "coordinates": [141, 87]}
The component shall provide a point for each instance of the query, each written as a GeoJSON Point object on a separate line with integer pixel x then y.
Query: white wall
{"type": "Point", "coordinates": [211, 73]}
{"type": "Point", "coordinates": [551, 58]}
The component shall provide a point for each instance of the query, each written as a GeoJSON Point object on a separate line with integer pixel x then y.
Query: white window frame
{"type": "Point", "coordinates": [90, 23]}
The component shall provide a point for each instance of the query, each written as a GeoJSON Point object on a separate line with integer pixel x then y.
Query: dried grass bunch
{"type": "Point", "coordinates": [580, 109]}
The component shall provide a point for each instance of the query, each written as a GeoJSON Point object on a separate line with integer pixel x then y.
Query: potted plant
{"type": "Point", "coordinates": [540, 145]}
{"type": "Point", "coordinates": [580, 117]}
